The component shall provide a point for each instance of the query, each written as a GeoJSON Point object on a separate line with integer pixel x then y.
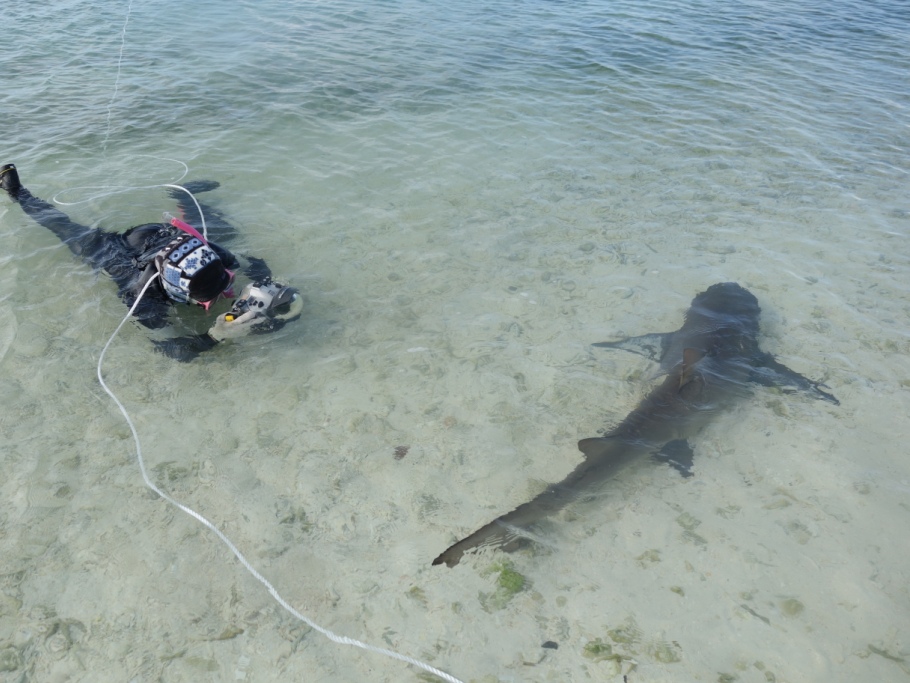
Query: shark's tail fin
{"type": "Point", "coordinates": [496, 533]}
{"type": "Point", "coordinates": [604, 455]}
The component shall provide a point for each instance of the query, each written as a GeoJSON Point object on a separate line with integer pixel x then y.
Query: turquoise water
{"type": "Point", "coordinates": [468, 196]}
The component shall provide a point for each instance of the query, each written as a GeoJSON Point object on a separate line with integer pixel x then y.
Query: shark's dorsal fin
{"type": "Point", "coordinates": [690, 358]}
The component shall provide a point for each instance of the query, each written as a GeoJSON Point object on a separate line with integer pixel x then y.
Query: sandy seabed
{"type": "Point", "coordinates": [781, 560]}
{"type": "Point", "coordinates": [459, 254]}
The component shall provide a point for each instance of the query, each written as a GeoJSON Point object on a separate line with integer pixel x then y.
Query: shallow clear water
{"type": "Point", "coordinates": [468, 196]}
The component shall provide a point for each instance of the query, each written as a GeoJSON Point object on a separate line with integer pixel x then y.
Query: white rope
{"type": "Point", "coordinates": [111, 190]}
{"type": "Point", "coordinates": [341, 640]}
{"type": "Point", "coordinates": [205, 232]}
{"type": "Point", "coordinates": [110, 105]}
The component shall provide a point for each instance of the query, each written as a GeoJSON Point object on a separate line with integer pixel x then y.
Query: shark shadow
{"type": "Point", "coordinates": [710, 362]}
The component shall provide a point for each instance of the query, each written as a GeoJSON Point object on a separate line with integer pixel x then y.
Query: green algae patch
{"type": "Point", "coordinates": [171, 472]}
{"type": "Point", "coordinates": [792, 607]}
{"type": "Point", "coordinates": [418, 595]}
{"type": "Point", "coordinates": [9, 660]}
{"type": "Point", "coordinates": [509, 582]}
{"type": "Point", "coordinates": [665, 653]}
{"type": "Point", "coordinates": [648, 558]}
{"type": "Point", "coordinates": [229, 633]}
{"type": "Point", "coordinates": [597, 650]}
{"type": "Point", "coordinates": [688, 522]}
{"type": "Point", "coordinates": [627, 634]}
{"type": "Point", "coordinates": [881, 652]}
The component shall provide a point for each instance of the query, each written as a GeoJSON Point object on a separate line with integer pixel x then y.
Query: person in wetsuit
{"type": "Point", "coordinates": [181, 264]}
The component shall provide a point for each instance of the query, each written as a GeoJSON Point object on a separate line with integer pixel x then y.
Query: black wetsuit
{"type": "Point", "coordinates": [129, 257]}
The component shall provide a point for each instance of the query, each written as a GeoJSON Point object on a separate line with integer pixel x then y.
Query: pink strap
{"type": "Point", "coordinates": [187, 228]}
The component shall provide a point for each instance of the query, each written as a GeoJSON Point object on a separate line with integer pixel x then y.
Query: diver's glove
{"type": "Point", "coordinates": [232, 326]}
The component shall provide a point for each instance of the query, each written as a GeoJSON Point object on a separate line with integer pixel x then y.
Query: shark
{"type": "Point", "coordinates": [707, 365]}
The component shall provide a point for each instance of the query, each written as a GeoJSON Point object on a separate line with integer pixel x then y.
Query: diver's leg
{"type": "Point", "coordinates": [88, 243]}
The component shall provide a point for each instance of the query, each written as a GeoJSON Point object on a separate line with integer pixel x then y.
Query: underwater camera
{"type": "Point", "coordinates": [271, 300]}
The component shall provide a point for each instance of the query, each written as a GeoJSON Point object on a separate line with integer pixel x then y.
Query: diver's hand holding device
{"type": "Point", "coordinates": [262, 307]}
{"type": "Point", "coordinates": [229, 326]}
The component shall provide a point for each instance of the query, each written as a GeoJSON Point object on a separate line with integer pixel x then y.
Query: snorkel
{"type": "Point", "coordinates": [186, 227]}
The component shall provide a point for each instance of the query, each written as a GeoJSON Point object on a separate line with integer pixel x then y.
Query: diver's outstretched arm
{"type": "Point", "coordinates": [83, 241]}
{"type": "Point", "coordinates": [257, 270]}
{"type": "Point", "coordinates": [185, 348]}
{"type": "Point", "coordinates": [216, 225]}
{"type": "Point", "coordinates": [220, 231]}
{"type": "Point", "coordinates": [232, 325]}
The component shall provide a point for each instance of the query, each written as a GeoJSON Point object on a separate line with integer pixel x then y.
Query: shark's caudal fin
{"type": "Point", "coordinates": [604, 456]}
{"type": "Point", "coordinates": [496, 533]}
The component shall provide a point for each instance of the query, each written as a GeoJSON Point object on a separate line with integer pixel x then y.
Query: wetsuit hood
{"type": "Point", "coordinates": [190, 271]}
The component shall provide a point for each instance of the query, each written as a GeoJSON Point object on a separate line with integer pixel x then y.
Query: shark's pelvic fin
{"type": "Point", "coordinates": [678, 455]}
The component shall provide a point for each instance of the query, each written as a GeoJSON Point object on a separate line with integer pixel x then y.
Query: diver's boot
{"type": "Point", "coordinates": [9, 180]}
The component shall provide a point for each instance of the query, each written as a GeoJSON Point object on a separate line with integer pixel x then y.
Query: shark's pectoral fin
{"type": "Point", "coordinates": [678, 455]}
{"type": "Point", "coordinates": [652, 346]}
{"type": "Point", "coordinates": [768, 372]}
